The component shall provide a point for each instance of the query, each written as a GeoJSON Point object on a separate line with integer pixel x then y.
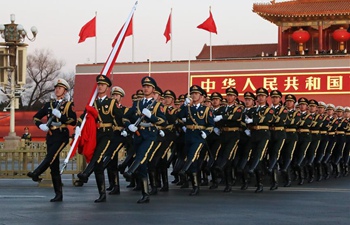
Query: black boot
{"type": "Point", "coordinates": [100, 181]}
{"type": "Point", "coordinates": [132, 183]}
{"type": "Point", "coordinates": [164, 174]}
{"type": "Point", "coordinates": [39, 170]}
{"type": "Point", "coordinates": [205, 181]}
{"type": "Point", "coordinates": [214, 184]}
{"type": "Point", "coordinates": [152, 180]}
{"type": "Point", "coordinates": [116, 188]}
{"type": "Point", "coordinates": [244, 181]}
{"type": "Point", "coordinates": [57, 186]}
{"type": "Point", "coordinates": [319, 171]}
{"type": "Point", "coordinates": [138, 186]}
{"type": "Point", "coordinates": [288, 180]}
{"type": "Point", "coordinates": [128, 174]}
{"type": "Point", "coordinates": [274, 180]}
{"type": "Point", "coordinates": [301, 175]}
{"type": "Point", "coordinates": [327, 171]}
{"type": "Point", "coordinates": [260, 187]}
{"type": "Point", "coordinates": [111, 179]}
{"type": "Point", "coordinates": [195, 184]}
{"type": "Point", "coordinates": [228, 179]}
{"type": "Point", "coordinates": [337, 170]}
{"type": "Point", "coordinates": [84, 176]}
{"type": "Point", "coordinates": [346, 170]}
{"type": "Point", "coordinates": [311, 173]}
{"type": "Point", "coordinates": [145, 191]}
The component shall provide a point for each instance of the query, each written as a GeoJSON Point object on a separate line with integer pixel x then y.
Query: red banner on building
{"type": "Point", "coordinates": [293, 83]}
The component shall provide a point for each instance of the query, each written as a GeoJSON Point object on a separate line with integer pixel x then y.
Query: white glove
{"type": "Point", "coordinates": [183, 120]}
{"type": "Point", "coordinates": [56, 113]}
{"type": "Point", "coordinates": [247, 132]}
{"type": "Point", "coordinates": [77, 131]}
{"type": "Point", "coordinates": [184, 129]}
{"type": "Point", "coordinates": [161, 133]}
{"type": "Point", "coordinates": [217, 131]}
{"type": "Point", "coordinates": [124, 133]}
{"type": "Point", "coordinates": [146, 112]}
{"type": "Point", "coordinates": [217, 118]}
{"type": "Point", "coordinates": [187, 101]}
{"type": "Point", "coordinates": [132, 128]}
{"type": "Point", "coordinates": [56, 124]}
{"type": "Point", "coordinates": [44, 127]}
{"type": "Point", "coordinates": [204, 135]}
{"type": "Point", "coordinates": [248, 120]}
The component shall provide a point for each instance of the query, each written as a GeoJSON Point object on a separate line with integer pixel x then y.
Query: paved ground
{"type": "Point", "coordinates": [319, 203]}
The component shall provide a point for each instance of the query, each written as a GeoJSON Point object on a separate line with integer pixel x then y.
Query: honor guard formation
{"type": "Point", "coordinates": [202, 141]}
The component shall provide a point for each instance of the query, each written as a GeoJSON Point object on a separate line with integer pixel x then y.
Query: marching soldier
{"type": "Point", "coordinates": [315, 139]}
{"type": "Point", "coordinates": [320, 152]}
{"type": "Point", "coordinates": [230, 119]}
{"type": "Point", "coordinates": [199, 124]}
{"type": "Point", "coordinates": [332, 126]}
{"type": "Point", "coordinates": [346, 154]}
{"type": "Point", "coordinates": [141, 120]}
{"type": "Point", "coordinates": [61, 113]}
{"type": "Point", "coordinates": [244, 144]}
{"type": "Point", "coordinates": [260, 135]}
{"type": "Point", "coordinates": [106, 111]}
{"type": "Point", "coordinates": [304, 139]}
{"type": "Point", "coordinates": [293, 118]}
{"type": "Point", "coordinates": [341, 126]}
{"type": "Point", "coordinates": [118, 141]}
{"type": "Point", "coordinates": [278, 136]}
{"type": "Point", "coordinates": [213, 140]}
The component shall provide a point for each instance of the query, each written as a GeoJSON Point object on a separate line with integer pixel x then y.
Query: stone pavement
{"type": "Point", "coordinates": [319, 203]}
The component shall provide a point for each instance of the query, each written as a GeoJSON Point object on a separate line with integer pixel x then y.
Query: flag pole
{"type": "Point", "coordinates": [133, 53]}
{"type": "Point", "coordinates": [171, 40]}
{"type": "Point", "coordinates": [96, 39]}
{"type": "Point", "coordinates": [189, 71]}
{"type": "Point", "coordinates": [210, 49]}
{"type": "Point", "coordinates": [149, 66]}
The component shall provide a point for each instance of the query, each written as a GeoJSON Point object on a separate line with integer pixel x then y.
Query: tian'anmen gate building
{"type": "Point", "coordinates": [310, 59]}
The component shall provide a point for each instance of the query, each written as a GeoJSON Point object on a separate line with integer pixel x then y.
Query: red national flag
{"type": "Point", "coordinates": [167, 32]}
{"type": "Point", "coordinates": [128, 32]}
{"type": "Point", "coordinates": [209, 24]}
{"type": "Point", "coordinates": [88, 30]}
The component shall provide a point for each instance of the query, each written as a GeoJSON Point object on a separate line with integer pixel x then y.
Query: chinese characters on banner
{"type": "Point", "coordinates": [293, 83]}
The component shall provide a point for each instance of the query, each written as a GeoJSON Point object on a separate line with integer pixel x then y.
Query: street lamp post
{"type": "Point", "coordinates": [14, 36]}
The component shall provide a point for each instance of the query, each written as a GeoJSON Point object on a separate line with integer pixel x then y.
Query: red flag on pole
{"type": "Point", "coordinates": [129, 31]}
{"type": "Point", "coordinates": [209, 24]}
{"type": "Point", "coordinates": [167, 32]}
{"type": "Point", "coordinates": [88, 30]}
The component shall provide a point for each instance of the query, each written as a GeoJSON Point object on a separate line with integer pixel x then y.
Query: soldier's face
{"type": "Point", "coordinates": [196, 97]}
{"type": "Point", "coordinates": [117, 97]}
{"type": "Point", "coordinates": [216, 102]}
{"type": "Point", "coordinates": [60, 91]}
{"type": "Point", "coordinates": [168, 101]}
{"type": "Point", "coordinates": [261, 99]}
{"type": "Point", "coordinates": [340, 113]}
{"type": "Point", "coordinates": [330, 112]}
{"type": "Point", "coordinates": [230, 99]}
{"type": "Point", "coordinates": [303, 107]}
{"type": "Point", "coordinates": [249, 102]}
{"type": "Point", "coordinates": [321, 110]}
{"type": "Point", "coordinates": [102, 88]}
{"type": "Point", "coordinates": [275, 100]}
{"type": "Point", "coordinates": [347, 114]}
{"type": "Point", "coordinates": [289, 104]}
{"type": "Point", "coordinates": [312, 108]}
{"type": "Point", "coordinates": [147, 90]}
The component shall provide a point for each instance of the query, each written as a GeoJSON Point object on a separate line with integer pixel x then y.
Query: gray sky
{"type": "Point", "coordinates": [59, 23]}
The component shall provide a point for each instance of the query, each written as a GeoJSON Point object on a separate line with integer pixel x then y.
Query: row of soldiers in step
{"type": "Point", "coordinates": [247, 137]}
{"type": "Point", "coordinates": [235, 137]}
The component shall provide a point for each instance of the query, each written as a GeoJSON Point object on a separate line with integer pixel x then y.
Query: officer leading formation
{"type": "Point", "coordinates": [206, 141]}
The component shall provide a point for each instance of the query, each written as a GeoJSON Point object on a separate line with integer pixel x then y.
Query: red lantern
{"type": "Point", "coordinates": [341, 35]}
{"type": "Point", "coordinates": [301, 36]}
